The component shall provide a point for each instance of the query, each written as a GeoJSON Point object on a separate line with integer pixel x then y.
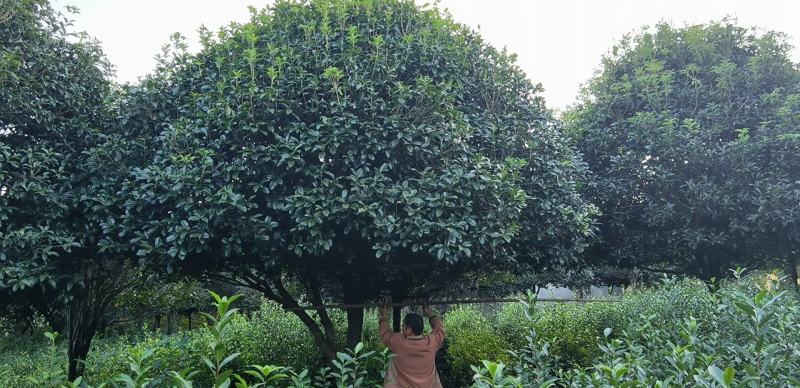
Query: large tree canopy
{"type": "Point", "coordinates": [355, 147]}
{"type": "Point", "coordinates": [691, 136]}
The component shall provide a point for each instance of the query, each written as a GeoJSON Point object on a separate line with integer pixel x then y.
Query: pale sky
{"type": "Point", "coordinates": [559, 43]}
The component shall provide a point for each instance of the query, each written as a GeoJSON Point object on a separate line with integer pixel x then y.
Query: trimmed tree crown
{"type": "Point", "coordinates": [356, 130]}
{"type": "Point", "coordinates": [684, 132]}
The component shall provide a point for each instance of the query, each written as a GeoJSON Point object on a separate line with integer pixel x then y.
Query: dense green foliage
{"type": "Point", "coordinates": [51, 100]}
{"type": "Point", "coordinates": [160, 296]}
{"type": "Point", "coordinates": [359, 150]}
{"type": "Point", "coordinates": [572, 329]}
{"type": "Point", "coordinates": [752, 341]}
{"type": "Point", "coordinates": [471, 338]}
{"type": "Point", "coordinates": [58, 166]}
{"type": "Point", "coordinates": [352, 146]}
{"type": "Point", "coordinates": [691, 134]}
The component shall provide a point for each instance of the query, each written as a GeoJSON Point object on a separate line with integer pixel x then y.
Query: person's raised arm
{"type": "Point", "coordinates": [383, 327]}
{"type": "Point", "coordinates": [437, 326]}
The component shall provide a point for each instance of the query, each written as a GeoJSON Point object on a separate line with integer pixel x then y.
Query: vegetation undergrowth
{"type": "Point", "coordinates": [677, 333]}
{"type": "Point", "coordinates": [751, 340]}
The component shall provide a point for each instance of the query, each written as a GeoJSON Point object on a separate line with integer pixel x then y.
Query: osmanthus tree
{"type": "Point", "coordinates": [775, 220]}
{"type": "Point", "coordinates": [351, 150]}
{"type": "Point", "coordinates": [691, 136]}
{"type": "Point", "coordinates": [54, 121]}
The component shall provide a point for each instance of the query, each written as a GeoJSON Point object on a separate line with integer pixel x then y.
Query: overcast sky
{"type": "Point", "coordinates": [559, 42]}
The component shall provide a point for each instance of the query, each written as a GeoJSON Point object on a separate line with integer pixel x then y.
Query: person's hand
{"type": "Point", "coordinates": [384, 313]}
{"type": "Point", "coordinates": [427, 311]}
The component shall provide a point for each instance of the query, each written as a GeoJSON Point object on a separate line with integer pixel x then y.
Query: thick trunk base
{"type": "Point", "coordinates": [355, 326]}
{"type": "Point", "coordinates": [791, 270]}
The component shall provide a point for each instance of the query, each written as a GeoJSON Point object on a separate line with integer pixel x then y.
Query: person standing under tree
{"type": "Point", "coordinates": [414, 363]}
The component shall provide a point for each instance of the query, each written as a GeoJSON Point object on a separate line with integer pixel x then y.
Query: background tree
{"type": "Point", "coordinates": [685, 131]}
{"type": "Point", "coordinates": [161, 296]}
{"type": "Point", "coordinates": [26, 307]}
{"type": "Point", "coordinates": [56, 171]}
{"type": "Point", "coordinates": [353, 149]}
{"type": "Point", "coordinates": [776, 203]}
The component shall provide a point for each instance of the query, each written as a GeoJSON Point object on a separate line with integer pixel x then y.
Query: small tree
{"type": "Point", "coordinates": [695, 163]}
{"type": "Point", "coordinates": [56, 169]}
{"type": "Point", "coordinates": [160, 296]}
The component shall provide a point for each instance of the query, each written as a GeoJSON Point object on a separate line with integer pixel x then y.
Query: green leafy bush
{"type": "Point", "coordinates": [573, 330]}
{"type": "Point", "coordinates": [672, 300]}
{"type": "Point", "coordinates": [269, 336]}
{"type": "Point", "coordinates": [753, 340]}
{"type": "Point", "coordinates": [273, 336]}
{"type": "Point", "coordinates": [348, 369]}
{"type": "Point", "coordinates": [31, 362]}
{"type": "Point", "coordinates": [491, 375]}
{"type": "Point", "coordinates": [512, 325]}
{"type": "Point", "coordinates": [677, 333]}
{"type": "Point", "coordinates": [471, 338]}
{"type": "Point", "coordinates": [175, 352]}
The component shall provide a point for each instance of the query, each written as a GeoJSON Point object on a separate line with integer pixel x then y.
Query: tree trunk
{"type": "Point", "coordinates": [791, 270]}
{"type": "Point", "coordinates": [169, 322]}
{"type": "Point", "coordinates": [272, 288]}
{"type": "Point", "coordinates": [397, 311]}
{"type": "Point", "coordinates": [157, 323]}
{"type": "Point", "coordinates": [87, 309]}
{"type": "Point", "coordinates": [710, 268]}
{"type": "Point", "coordinates": [397, 318]}
{"type": "Point", "coordinates": [355, 316]}
{"type": "Point", "coordinates": [83, 315]}
{"type": "Point", "coordinates": [79, 345]}
{"type": "Point", "coordinates": [355, 326]}
{"type": "Point", "coordinates": [325, 343]}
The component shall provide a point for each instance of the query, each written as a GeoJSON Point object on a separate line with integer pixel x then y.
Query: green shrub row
{"type": "Point", "coordinates": [752, 340]}
{"type": "Point", "coordinates": [574, 329]}
{"type": "Point", "coordinates": [272, 336]}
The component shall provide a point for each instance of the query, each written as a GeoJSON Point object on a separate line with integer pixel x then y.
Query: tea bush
{"type": "Point", "coordinates": [470, 339]}
{"type": "Point", "coordinates": [269, 336]}
{"type": "Point", "coordinates": [349, 369]}
{"type": "Point", "coordinates": [176, 352]}
{"type": "Point", "coordinates": [672, 300]}
{"type": "Point", "coordinates": [29, 362]}
{"type": "Point", "coordinates": [753, 340]}
{"type": "Point", "coordinates": [573, 330]}
{"type": "Point", "coordinates": [273, 336]}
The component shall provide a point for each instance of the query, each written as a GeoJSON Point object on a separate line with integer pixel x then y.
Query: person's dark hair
{"type": "Point", "coordinates": [414, 322]}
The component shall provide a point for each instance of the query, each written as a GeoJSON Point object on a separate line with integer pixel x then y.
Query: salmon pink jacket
{"type": "Point", "coordinates": [414, 363]}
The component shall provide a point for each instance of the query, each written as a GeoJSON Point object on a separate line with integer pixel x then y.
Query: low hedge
{"type": "Point", "coordinates": [471, 338]}
{"type": "Point", "coordinates": [573, 330]}
{"type": "Point", "coordinates": [272, 336]}
{"type": "Point", "coordinates": [269, 336]}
